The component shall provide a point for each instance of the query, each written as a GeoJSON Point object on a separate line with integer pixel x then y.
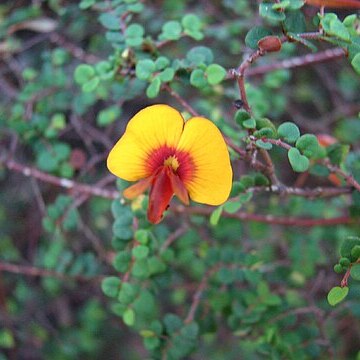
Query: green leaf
{"type": "Point", "coordinates": [296, 4]}
{"type": "Point", "coordinates": [6, 339]}
{"type": "Point", "coordinates": [91, 85]}
{"type": "Point", "coordinates": [136, 8]}
{"type": "Point", "coordinates": [191, 22]}
{"type": "Point", "coordinates": [172, 323]}
{"type": "Point", "coordinates": [156, 265]}
{"type": "Point", "coordinates": [134, 31]}
{"type": "Point", "coordinates": [200, 55]}
{"type": "Point", "coordinates": [122, 261]}
{"type": "Point", "coordinates": [355, 252]}
{"type": "Point", "coordinates": [355, 63]}
{"type": "Point", "coordinates": [337, 153]}
{"type": "Point", "coordinates": [298, 162]}
{"type": "Point", "coordinates": [134, 35]}
{"type": "Point", "coordinates": [254, 35]}
{"type": "Point", "coordinates": [151, 343]}
{"type": "Point", "coordinates": [142, 236]}
{"type": "Point", "coordinates": [333, 26]}
{"type": "Point", "coordinates": [110, 21]}
{"type": "Point", "coordinates": [215, 74]}
{"type": "Point", "coordinates": [263, 145]}
{"type": "Point", "coordinates": [355, 272]}
{"type": "Point", "coordinates": [108, 115]}
{"type": "Point", "coordinates": [192, 26]}
{"type": "Point", "coordinates": [215, 215]}
{"type": "Point", "coordinates": [121, 231]}
{"type": "Point", "coordinates": [47, 162]}
{"type": "Point", "coordinates": [266, 11]}
{"type": "Point", "coordinates": [162, 62]}
{"type": "Point", "coordinates": [144, 69]}
{"type": "Point", "coordinates": [83, 73]}
{"type": "Point", "coordinates": [128, 293]}
{"type": "Point", "coordinates": [337, 294]}
{"type": "Point", "coordinates": [190, 331]}
{"type": "Point", "coordinates": [129, 317]}
{"type": "Point", "coordinates": [241, 116]}
{"type": "Point", "coordinates": [338, 269]}
{"type": "Point", "coordinates": [295, 22]}
{"type": "Point", "coordinates": [153, 89]}
{"type": "Point", "coordinates": [249, 123]}
{"type": "Point", "coordinates": [167, 75]}
{"type": "Point", "coordinates": [85, 4]}
{"type": "Point", "coordinates": [347, 245]}
{"type": "Point", "coordinates": [308, 144]}
{"type": "Point", "coordinates": [111, 286]}
{"type": "Point", "coordinates": [171, 30]}
{"type": "Point", "coordinates": [232, 207]}
{"type": "Point", "coordinates": [140, 252]}
{"type": "Point", "coordinates": [140, 269]}
{"type": "Point", "coordinates": [289, 132]}
{"type": "Point", "coordinates": [198, 79]}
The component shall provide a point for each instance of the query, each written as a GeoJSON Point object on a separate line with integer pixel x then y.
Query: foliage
{"type": "Point", "coordinates": [83, 274]}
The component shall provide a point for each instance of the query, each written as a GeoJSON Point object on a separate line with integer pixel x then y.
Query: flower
{"type": "Point", "coordinates": [172, 157]}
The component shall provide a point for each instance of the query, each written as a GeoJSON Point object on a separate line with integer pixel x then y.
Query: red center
{"type": "Point", "coordinates": [186, 168]}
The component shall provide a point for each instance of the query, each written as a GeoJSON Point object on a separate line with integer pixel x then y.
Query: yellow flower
{"type": "Point", "coordinates": [172, 157]}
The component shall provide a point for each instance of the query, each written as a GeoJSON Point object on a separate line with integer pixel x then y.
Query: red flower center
{"type": "Point", "coordinates": [180, 162]}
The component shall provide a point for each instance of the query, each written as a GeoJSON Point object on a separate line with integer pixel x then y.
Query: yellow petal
{"type": "Point", "coordinates": [150, 129]}
{"type": "Point", "coordinates": [211, 180]}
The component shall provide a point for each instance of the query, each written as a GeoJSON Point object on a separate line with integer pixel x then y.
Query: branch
{"type": "Point", "coordinates": [181, 100]}
{"type": "Point", "coordinates": [198, 293]}
{"type": "Point", "coordinates": [62, 182]}
{"type": "Point", "coordinates": [312, 193]}
{"type": "Point", "coordinates": [298, 61]}
{"type": "Point", "coordinates": [38, 272]}
{"type": "Point", "coordinates": [348, 177]}
{"type": "Point", "coordinates": [206, 211]}
{"type": "Point", "coordinates": [267, 219]}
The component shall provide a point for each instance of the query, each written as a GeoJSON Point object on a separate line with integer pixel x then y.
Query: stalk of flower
{"type": "Point", "coordinates": [160, 151]}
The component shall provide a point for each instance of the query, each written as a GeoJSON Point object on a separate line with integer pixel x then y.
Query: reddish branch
{"type": "Point", "coordinates": [267, 219]}
{"type": "Point", "coordinates": [38, 272]}
{"type": "Point", "coordinates": [298, 61]}
{"type": "Point", "coordinates": [62, 182]}
{"type": "Point", "coordinates": [181, 100]}
{"type": "Point", "coordinates": [350, 180]}
{"type": "Point", "coordinates": [206, 211]}
{"type": "Point", "coordinates": [198, 294]}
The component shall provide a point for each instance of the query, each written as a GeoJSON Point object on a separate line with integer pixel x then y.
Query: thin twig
{"type": "Point", "coordinates": [28, 270]}
{"type": "Point", "coordinates": [181, 100]}
{"type": "Point", "coordinates": [298, 61]}
{"type": "Point", "coordinates": [198, 294]}
{"type": "Point", "coordinates": [267, 219]}
{"type": "Point", "coordinates": [62, 182]}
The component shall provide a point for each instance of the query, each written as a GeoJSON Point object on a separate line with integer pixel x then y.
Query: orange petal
{"type": "Point", "coordinates": [210, 179]}
{"type": "Point", "coordinates": [160, 195]}
{"type": "Point", "coordinates": [152, 128]}
{"type": "Point", "coordinates": [178, 187]}
{"type": "Point", "coordinates": [137, 189]}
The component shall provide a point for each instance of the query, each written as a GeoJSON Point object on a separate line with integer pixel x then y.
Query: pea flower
{"type": "Point", "coordinates": [162, 152]}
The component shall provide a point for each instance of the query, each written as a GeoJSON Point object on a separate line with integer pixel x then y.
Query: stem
{"type": "Point", "coordinates": [38, 272]}
{"type": "Point", "coordinates": [298, 61]}
{"type": "Point", "coordinates": [267, 219]}
{"type": "Point", "coordinates": [62, 182]}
